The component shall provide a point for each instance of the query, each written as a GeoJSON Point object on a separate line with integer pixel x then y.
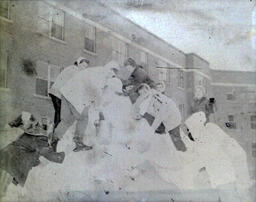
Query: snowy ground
{"type": "Point", "coordinates": [129, 161]}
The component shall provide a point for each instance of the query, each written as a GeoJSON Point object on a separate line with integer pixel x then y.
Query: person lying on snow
{"type": "Point", "coordinates": [153, 103]}
{"type": "Point", "coordinates": [79, 94]}
{"type": "Point", "coordinates": [20, 156]}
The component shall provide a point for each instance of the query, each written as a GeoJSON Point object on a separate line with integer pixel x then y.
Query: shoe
{"type": "Point", "coordinates": [82, 147]}
{"type": "Point", "coordinates": [15, 182]}
{"type": "Point", "coordinates": [161, 129]}
{"type": "Point", "coordinates": [54, 144]}
{"type": "Point", "coordinates": [48, 153]}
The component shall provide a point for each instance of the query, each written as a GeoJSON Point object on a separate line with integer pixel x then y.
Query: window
{"type": "Point", "coordinates": [230, 118]}
{"type": "Point", "coordinates": [162, 74]}
{"type": "Point", "coordinates": [162, 71]}
{"type": "Point", "coordinates": [5, 9]}
{"type": "Point", "coordinates": [254, 149]}
{"type": "Point", "coordinates": [143, 58]}
{"type": "Point", "coordinates": [252, 97]}
{"type": "Point", "coordinates": [231, 122]}
{"type": "Point", "coordinates": [119, 50]}
{"type": "Point", "coordinates": [182, 109]}
{"type": "Point", "coordinates": [231, 97]}
{"type": "Point", "coordinates": [253, 122]}
{"type": "Point", "coordinates": [46, 75]}
{"type": "Point", "coordinates": [89, 40]}
{"type": "Point", "coordinates": [204, 82]}
{"type": "Point", "coordinates": [3, 68]}
{"type": "Point", "coordinates": [57, 28]}
{"type": "Point", "coordinates": [180, 79]}
{"type": "Point", "coordinates": [51, 21]}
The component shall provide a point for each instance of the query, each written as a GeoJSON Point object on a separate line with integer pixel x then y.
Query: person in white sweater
{"type": "Point", "coordinates": [54, 92]}
{"type": "Point", "coordinates": [83, 92]}
{"type": "Point", "coordinates": [163, 109]}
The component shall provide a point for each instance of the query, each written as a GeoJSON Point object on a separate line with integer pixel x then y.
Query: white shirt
{"type": "Point", "coordinates": [85, 89]}
{"type": "Point", "coordinates": [63, 78]}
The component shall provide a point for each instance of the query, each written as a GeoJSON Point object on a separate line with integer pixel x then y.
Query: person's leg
{"type": "Point", "coordinates": [57, 107]}
{"type": "Point", "coordinates": [67, 119]}
{"type": "Point", "coordinates": [207, 116]}
{"type": "Point", "coordinates": [160, 129]}
{"type": "Point", "coordinates": [176, 138]}
{"type": "Point", "coordinates": [57, 117]}
{"type": "Point", "coordinates": [81, 126]}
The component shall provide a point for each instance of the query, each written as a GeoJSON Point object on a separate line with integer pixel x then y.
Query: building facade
{"type": "Point", "coordinates": [40, 38]}
{"type": "Point", "coordinates": [235, 94]}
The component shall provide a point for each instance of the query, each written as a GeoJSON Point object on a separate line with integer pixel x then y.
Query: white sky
{"type": "Point", "coordinates": [221, 31]}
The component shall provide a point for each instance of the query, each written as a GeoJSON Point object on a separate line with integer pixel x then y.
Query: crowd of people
{"type": "Point", "coordinates": [85, 94]}
{"type": "Point", "coordinates": [80, 88]}
{"type": "Point", "coordinates": [75, 92]}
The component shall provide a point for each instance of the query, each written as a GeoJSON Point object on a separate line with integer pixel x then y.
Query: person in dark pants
{"type": "Point", "coordinates": [160, 109]}
{"type": "Point", "coordinates": [201, 103]}
{"type": "Point", "coordinates": [57, 107]}
{"type": "Point", "coordinates": [54, 92]}
{"type": "Point", "coordinates": [138, 76]}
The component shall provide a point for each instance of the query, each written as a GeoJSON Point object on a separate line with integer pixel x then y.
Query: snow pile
{"type": "Point", "coordinates": [128, 156]}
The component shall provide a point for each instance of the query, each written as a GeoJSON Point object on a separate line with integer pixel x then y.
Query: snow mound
{"type": "Point", "coordinates": [128, 156]}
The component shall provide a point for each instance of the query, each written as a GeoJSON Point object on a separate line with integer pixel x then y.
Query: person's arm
{"type": "Point", "coordinates": [150, 82]}
{"type": "Point", "coordinates": [136, 107]}
{"type": "Point", "coordinates": [192, 107]}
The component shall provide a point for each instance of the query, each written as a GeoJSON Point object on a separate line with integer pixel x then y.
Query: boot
{"type": "Point", "coordinates": [176, 139]}
{"type": "Point", "coordinates": [54, 142]}
{"type": "Point", "coordinates": [161, 129]}
{"type": "Point", "coordinates": [48, 153]}
{"type": "Point", "coordinates": [81, 147]}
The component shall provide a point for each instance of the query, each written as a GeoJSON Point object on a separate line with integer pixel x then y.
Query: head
{"type": "Point", "coordinates": [82, 62]}
{"type": "Point", "coordinates": [140, 66]}
{"type": "Point", "coordinates": [143, 89]}
{"type": "Point", "coordinates": [25, 119]}
{"type": "Point", "coordinates": [130, 64]}
{"type": "Point", "coordinates": [199, 92]}
{"type": "Point", "coordinates": [112, 65]}
{"type": "Point", "coordinates": [160, 87]}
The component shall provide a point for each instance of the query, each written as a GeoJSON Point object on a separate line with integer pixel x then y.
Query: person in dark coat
{"type": "Point", "coordinates": [20, 156]}
{"type": "Point", "coordinates": [137, 77]}
{"type": "Point", "coordinates": [201, 103]}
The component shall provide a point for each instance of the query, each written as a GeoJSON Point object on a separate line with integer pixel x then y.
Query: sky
{"type": "Point", "coordinates": [221, 31]}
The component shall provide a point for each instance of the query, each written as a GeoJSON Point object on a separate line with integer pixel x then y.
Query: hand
{"type": "Point", "coordinates": [137, 116]}
{"type": "Point", "coordinates": [118, 93]}
{"type": "Point", "coordinates": [97, 123]}
{"type": "Point", "coordinates": [105, 87]}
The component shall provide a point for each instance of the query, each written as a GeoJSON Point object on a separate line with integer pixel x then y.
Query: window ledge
{"type": "Point", "coordinates": [42, 97]}
{"type": "Point", "coordinates": [5, 89]}
{"type": "Point", "coordinates": [89, 52]}
{"type": "Point", "coordinates": [6, 20]}
{"type": "Point", "coordinates": [180, 88]}
{"type": "Point", "coordinates": [52, 38]}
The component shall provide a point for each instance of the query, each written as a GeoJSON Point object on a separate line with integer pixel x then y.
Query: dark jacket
{"type": "Point", "coordinates": [138, 77]}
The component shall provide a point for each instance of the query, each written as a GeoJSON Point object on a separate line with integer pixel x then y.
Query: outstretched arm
{"type": "Point", "coordinates": [137, 105]}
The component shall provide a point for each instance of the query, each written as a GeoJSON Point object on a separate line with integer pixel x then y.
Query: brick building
{"type": "Point", "coordinates": [235, 93]}
{"type": "Point", "coordinates": [51, 35]}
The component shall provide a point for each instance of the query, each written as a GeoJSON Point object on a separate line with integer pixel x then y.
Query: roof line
{"type": "Point", "coordinates": [223, 70]}
{"type": "Point", "coordinates": [170, 45]}
{"type": "Point", "coordinates": [199, 57]}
